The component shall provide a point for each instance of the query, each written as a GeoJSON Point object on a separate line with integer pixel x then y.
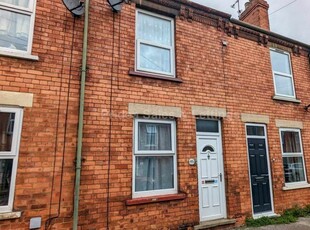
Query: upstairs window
{"type": "Point", "coordinates": [154, 43]}
{"type": "Point", "coordinates": [16, 25]}
{"type": "Point", "coordinates": [282, 73]}
{"type": "Point", "coordinates": [293, 159]}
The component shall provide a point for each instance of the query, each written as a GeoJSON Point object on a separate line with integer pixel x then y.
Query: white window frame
{"type": "Point", "coordinates": [13, 154]}
{"type": "Point", "coordinates": [30, 11]}
{"type": "Point", "coordinates": [150, 43]}
{"type": "Point", "coordinates": [154, 153]}
{"type": "Point", "coordinates": [301, 154]}
{"type": "Point", "coordinates": [274, 73]}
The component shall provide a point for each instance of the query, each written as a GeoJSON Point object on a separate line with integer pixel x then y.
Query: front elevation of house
{"type": "Point", "coordinates": [191, 117]}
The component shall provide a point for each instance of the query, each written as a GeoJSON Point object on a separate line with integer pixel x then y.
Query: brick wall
{"type": "Point", "coordinates": [49, 127]}
{"type": "Point", "coordinates": [238, 78]}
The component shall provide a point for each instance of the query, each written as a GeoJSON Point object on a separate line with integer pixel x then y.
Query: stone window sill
{"type": "Point", "coordinates": [288, 99]}
{"type": "Point", "coordinates": [155, 199]}
{"type": "Point", "coordinates": [19, 55]}
{"type": "Point", "coordinates": [293, 187]}
{"type": "Point", "coordinates": [154, 76]}
{"type": "Point", "coordinates": [10, 215]}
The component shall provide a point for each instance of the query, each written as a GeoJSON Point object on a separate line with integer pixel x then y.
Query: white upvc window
{"type": "Point", "coordinates": [155, 43]}
{"type": "Point", "coordinates": [10, 131]}
{"type": "Point", "coordinates": [282, 73]}
{"type": "Point", "coordinates": [155, 167]}
{"type": "Point", "coordinates": [293, 159]}
{"type": "Point", "coordinates": [16, 25]}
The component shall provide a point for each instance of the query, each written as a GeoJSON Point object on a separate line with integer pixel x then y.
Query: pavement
{"type": "Point", "coordinates": [302, 224]}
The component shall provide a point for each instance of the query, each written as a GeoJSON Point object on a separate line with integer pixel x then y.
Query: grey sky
{"type": "Point", "coordinates": [292, 21]}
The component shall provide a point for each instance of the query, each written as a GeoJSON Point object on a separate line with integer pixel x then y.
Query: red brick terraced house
{"type": "Point", "coordinates": [188, 118]}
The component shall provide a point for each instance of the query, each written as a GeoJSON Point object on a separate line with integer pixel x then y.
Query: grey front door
{"type": "Point", "coordinates": [259, 173]}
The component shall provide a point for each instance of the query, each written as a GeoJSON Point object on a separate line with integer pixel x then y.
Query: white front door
{"type": "Point", "coordinates": [212, 204]}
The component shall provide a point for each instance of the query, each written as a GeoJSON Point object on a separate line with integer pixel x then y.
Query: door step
{"type": "Point", "coordinates": [216, 224]}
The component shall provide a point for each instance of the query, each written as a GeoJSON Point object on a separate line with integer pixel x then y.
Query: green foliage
{"type": "Point", "coordinates": [288, 216]}
{"type": "Point", "coordinates": [263, 221]}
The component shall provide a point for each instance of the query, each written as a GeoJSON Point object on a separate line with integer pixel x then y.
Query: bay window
{"type": "Point", "coordinates": [154, 158]}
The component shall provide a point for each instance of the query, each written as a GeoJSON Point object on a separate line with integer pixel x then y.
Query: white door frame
{"type": "Point", "coordinates": [201, 135]}
{"type": "Point", "coordinates": [270, 213]}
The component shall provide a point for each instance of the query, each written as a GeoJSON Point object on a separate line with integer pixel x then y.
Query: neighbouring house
{"type": "Point", "coordinates": [191, 118]}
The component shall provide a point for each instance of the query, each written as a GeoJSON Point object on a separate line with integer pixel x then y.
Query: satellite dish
{"type": "Point", "coordinates": [74, 6]}
{"type": "Point", "coordinates": [116, 4]}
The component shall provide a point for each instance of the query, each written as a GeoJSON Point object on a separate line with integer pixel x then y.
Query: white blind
{"type": "Point", "coordinates": [20, 3]}
{"type": "Point", "coordinates": [14, 30]}
{"type": "Point", "coordinates": [156, 30]}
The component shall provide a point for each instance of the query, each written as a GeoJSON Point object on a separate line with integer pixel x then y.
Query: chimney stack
{"type": "Point", "coordinates": [256, 13]}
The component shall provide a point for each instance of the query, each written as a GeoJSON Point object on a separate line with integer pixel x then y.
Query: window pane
{"type": "Point", "coordinates": [22, 3]}
{"type": "Point", "coordinates": [208, 148]}
{"type": "Point", "coordinates": [284, 85]}
{"type": "Point", "coordinates": [290, 142]}
{"type": "Point", "coordinates": [207, 126]}
{"type": "Point", "coordinates": [293, 169]}
{"type": "Point", "coordinates": [154, 173]}
{"type": "Point", "coordinates": [280, 62]}
{"type": "Point", "coordinates": [155, 58]}
{"type": "Point", "coordinates": [5, 180]}
{"type": "Point", "coordinates": [6, 130]}
{"type": "Point", "coordinates": [154, 136]}
{"type": "Point", "coordinates": [255, 130]}
{"type": "Point", "coordinates": [14, 30]}
{"type": "Point", "coordinates": [154, 29]}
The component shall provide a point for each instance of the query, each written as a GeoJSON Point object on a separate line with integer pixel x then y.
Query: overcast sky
{"type": "Point", "coordinates": [291, 21]}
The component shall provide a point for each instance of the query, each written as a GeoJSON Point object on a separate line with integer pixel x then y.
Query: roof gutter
{"type": "Point", "coordinates": [258, 29]}
{"type": "Point", "coordinates": [178, 3]}
{"type": "Point", "coordinates": [205, 9]}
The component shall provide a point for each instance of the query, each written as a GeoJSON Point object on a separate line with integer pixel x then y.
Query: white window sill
{"type": "Point", "coordinates": [282, 98]}
{"type": "Point", "coordinates": [10, 215]}
{"type": "Point", "coordinates": [19, 55]}
{"type": "Point", "coordinates": [293, 187]}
